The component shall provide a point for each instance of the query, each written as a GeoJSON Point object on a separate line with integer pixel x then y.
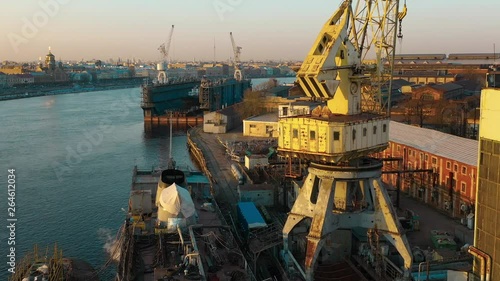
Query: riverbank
{"type": "Point", "coordinates": [30, 91]}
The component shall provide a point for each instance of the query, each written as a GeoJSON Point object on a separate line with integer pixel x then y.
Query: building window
{"type": "Point", "coordinates": [426, 157]}
{"type": "Point", "coordinates": [434, 160]}
{"type": "Point", "coordinates": [285, 111]}
{"type": "Point", "coordinates": [421, 156]}
{"type": "Point", "coordinates": [464, 170]}
{"type": "Point", "coordinates": [398, 148]}
{"type": "Point", "coordinates": [463, 188]}
{"type": "Point", "coordinates": [455, 168]}
{"type": "Point", "coordinates": [253, 126]}
{"type": "Point", "coordinates": [295, 133]}
{"type": "Point", "coordinates": [374, 130]}
{"type": "Point", "coordinates": [448, 165]}
{"type": "Point", "coordinates": [384, 128]}
{"type": "Point", "coordinates": [353, 134]}
{"type": "Point", "coordinates": [364, 132]}
{"type": "Point", "coordinates": [312, 135]}
{"type": "Point", "coordinates": [336, 136]}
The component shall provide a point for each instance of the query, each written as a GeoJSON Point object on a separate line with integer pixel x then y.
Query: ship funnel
{"type": "Point", "coordinates": [168, 177]}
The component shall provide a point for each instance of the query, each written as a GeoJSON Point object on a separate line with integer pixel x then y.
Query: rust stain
{"type": "Point", "coordinates": [310, 251]}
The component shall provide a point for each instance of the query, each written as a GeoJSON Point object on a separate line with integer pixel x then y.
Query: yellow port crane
{"type": "Point", "coordinates": [349, 63]}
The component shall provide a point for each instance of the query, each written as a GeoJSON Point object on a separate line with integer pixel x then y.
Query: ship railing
{"type": "Point", "coordinates": [392, 270]}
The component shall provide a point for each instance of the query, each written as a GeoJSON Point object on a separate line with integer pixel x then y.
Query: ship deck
{"type": "Point", "coordinates": [214, 254]}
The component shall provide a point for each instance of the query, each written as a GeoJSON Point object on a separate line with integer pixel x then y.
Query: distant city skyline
{"type": "Point", "coordinates": [277, 30]}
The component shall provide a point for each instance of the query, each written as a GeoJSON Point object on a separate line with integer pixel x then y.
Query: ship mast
{"type": "Point", "coordinates": [171, 162]}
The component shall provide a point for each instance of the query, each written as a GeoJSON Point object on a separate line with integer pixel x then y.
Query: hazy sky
{"type": "Point", "coordinates": [266, 29]}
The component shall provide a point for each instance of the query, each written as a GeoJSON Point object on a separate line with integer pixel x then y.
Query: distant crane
{"type": "Point", "coordinates": [164, 49]}
{"type": "Point", "coordinates": [236, 61]}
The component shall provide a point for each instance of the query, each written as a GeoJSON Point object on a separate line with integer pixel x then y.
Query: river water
{"type": "Point", "coordinates": [73, 157]}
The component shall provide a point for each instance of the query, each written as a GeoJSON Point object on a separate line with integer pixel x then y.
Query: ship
{"type": "Point", "coordinates": [191, 95]}
{"type": "Point", "coordinates": [173, 231]}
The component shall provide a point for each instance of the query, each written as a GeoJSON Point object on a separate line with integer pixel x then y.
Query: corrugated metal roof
{"type": "Point", "coordinates": [452, 147]}
{"type": "Point", "coordinates": [269, 117]}
{"type": "Point", "coordinates": [447, 87]}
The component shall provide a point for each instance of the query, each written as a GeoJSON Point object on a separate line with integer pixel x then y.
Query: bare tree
{"type": "Point", "coordinates": [271, 83]}
{"type": "Point", "coordinates": [418, 111]}
{"type": "Point", "coordinates": [252, 104]}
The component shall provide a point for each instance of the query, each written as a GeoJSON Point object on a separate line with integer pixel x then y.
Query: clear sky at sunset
{"type": "Point", "coordinates": [266, 29]}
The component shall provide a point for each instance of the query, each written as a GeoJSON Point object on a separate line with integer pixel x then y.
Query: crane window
{"type": "Point", "coordinates": [336, 135]}
{"type": "Point", "coordinates": [312, 135]}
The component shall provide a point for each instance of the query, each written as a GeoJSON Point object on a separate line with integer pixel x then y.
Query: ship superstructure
{"type": "Point", "coordinates": [173, 231]}
{"type": "Point", "coordinates": [342, 192]}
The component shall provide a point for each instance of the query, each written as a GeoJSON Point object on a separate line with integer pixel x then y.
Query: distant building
{"type": "Point", "coordinates": [425, 77]}
{"type": "Point", "coordinates": [487, 236]}
{"type": "Point", "coordinates": [8, 69]}
{"type": "Point", "coordinates": [221, 121]}
{"type": "Point", "coordinates": [16, 79]}
{"type": "Point", "coordinates": [3, 80]}
{"type": "Point", "coordinates": [451, 185]}
{"type": "Point", "coordinates": [51, 71]}
{"type": "Point", "coordinates": [113, 73]}
{"type": "Point", "coordinates": [447, 91]}
{"type": "Point", "coordinates": [470, 87]}
{"type": "Point", "coordinates": [50, 61]}
{"type": "Point", "coordinates": [439, 68]}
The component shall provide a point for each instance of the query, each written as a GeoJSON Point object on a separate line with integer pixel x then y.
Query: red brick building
{"type": "Point", "coordinates": [447, 91]}
{"type": "Point", "coordinates": [449, 182]}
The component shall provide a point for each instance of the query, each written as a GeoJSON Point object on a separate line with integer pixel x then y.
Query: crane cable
{"type": "Point", "coordinates": [401, 16]}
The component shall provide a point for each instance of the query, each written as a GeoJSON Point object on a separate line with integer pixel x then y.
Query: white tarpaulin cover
{"type": "Point", "coordinates": [177, 200]}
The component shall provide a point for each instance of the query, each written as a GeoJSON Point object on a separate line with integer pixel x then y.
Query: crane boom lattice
{"type": "Point", "coordinates": [236, 59]}
{"type": "Point", "coordinates": [164, 50]}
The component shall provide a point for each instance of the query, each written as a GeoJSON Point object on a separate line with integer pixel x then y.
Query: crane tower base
{"type": "Point", "coordinates": [333, 200]}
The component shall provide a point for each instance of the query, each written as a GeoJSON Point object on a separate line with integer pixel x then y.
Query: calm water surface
{"type": "Point", "coordinates": [73, 155]}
